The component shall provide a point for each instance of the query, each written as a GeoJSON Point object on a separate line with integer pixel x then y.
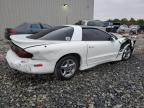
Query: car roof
{"type": "Point", "coordinates": [87, 27]}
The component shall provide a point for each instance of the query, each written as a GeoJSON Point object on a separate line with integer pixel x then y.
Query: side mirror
{"type": "Point", "coordinates": [110, 39]}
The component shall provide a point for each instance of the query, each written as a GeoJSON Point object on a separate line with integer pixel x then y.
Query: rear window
{"type": "Point", "coordinates": [61, 33]}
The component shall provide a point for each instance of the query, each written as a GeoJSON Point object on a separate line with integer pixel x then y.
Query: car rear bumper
{"type": "Point", "coordinates": [28, 65]}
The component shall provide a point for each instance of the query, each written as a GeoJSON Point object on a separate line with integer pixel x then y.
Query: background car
{"type": "Point", "coordinates": [95, 23]}
{"type": "Point", "coordinates": [141, 29]}
{"type": "Point", "coordinates": [113, 27]}
{"type": "Point", "coordinates": [123, 29]}
{"type": "Point", "coordinates": [64, 50]}
{"type": "Point", "coordinates": [108, 26]}
{"type": "Point", "coordinates": [26, 28]}
{"type": "Point", "coordinates": [134, 29]}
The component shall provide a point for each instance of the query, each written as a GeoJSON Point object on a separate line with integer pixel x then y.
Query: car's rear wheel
{"type": "Point", "coordinates": [66, 68]}
{"type": "Point", "coordinates": [127, 52]}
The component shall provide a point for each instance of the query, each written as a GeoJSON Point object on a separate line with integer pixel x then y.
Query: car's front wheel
{"type": "Point", "coordinates": [127, 52]}
{"type": "Point", "coordinates": [66, 68]}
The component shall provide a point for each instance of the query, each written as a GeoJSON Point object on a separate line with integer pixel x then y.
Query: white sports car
{"type": "Point", "coordinates": [64, 50]}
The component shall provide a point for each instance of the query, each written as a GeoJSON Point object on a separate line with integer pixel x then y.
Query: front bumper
{"type": "Point", "coordinates": [27, 65]}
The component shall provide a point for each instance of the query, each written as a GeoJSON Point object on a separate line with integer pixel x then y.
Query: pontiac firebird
{"type": "Point", "coordinates": [63, 50]}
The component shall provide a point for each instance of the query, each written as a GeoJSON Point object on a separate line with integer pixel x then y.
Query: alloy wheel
{"type": "Point", "coordinates": [68, 68]}
{"type": "Point", "coordinates": [127, 53]}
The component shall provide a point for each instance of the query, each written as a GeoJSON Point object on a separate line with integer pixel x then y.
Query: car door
{"type": "Point", "coordinates": [101, 46]}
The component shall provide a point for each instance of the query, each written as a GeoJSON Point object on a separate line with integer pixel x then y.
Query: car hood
{"type": "Point", "coordinates": [121, 35]}
{"type": "Point", "coordinates": [117, 35]}
{"type": "Point", "coordinates": [121, 38]}
{"type": "Point", "coordinates": [126, 36]}
{"type": "Point", "coordinates": [24, 42]}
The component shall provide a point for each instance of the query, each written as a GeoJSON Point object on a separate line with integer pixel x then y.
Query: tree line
{"type": "Point", "coordinates": [132, 21]}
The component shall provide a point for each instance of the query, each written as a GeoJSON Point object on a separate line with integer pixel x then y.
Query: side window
{"type": "Point", "coordinates": [35, 26]}
{"type": "Point", "coordinates": [91, 34]}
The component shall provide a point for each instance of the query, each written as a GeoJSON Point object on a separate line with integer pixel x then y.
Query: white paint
{"type": "Point", "coordinates": [92, 53]}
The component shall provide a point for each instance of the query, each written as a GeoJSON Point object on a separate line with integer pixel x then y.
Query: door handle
{"type": "Point", "coordinates": [91, 46]}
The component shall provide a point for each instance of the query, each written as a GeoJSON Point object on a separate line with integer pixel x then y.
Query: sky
{"type": "Point", "coordinates": [111, 9]}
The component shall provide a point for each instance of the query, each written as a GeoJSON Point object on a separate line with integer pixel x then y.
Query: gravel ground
{"type": "Point", "coordinates": [111, 85]}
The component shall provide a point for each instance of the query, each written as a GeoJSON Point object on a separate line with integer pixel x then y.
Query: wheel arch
{"type": "Point", "coordinates": [76, 55]}
{"type": "Point", "coordinates": [128, 41]}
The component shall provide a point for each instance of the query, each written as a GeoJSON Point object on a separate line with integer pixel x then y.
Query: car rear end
{"type": "Point", "coordinates": [20, 59]}
{"type": "Point", "coordinates": [35, 53]}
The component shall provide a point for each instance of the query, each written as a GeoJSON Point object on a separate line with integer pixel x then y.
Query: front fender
{"type": "Point", "coordinates": [126, 41]}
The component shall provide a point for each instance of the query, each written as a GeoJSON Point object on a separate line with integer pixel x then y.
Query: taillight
{"type": "Point", "coordinates": [12, 31]}
{"type": "Point", "coordinates": [21, 52]}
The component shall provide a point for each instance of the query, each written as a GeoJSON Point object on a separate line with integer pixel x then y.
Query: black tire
{"type": "Point", "coordinates": [127, 53]}
{"type": "Point", "coordinates": [69, 71]}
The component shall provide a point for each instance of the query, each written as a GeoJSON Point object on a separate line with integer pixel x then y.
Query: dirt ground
{"type": "Point", "coordinates": [111, 85]}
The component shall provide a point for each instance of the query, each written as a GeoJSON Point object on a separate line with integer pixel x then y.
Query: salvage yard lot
{"type": "Point", "coordinates": [118, 85]}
